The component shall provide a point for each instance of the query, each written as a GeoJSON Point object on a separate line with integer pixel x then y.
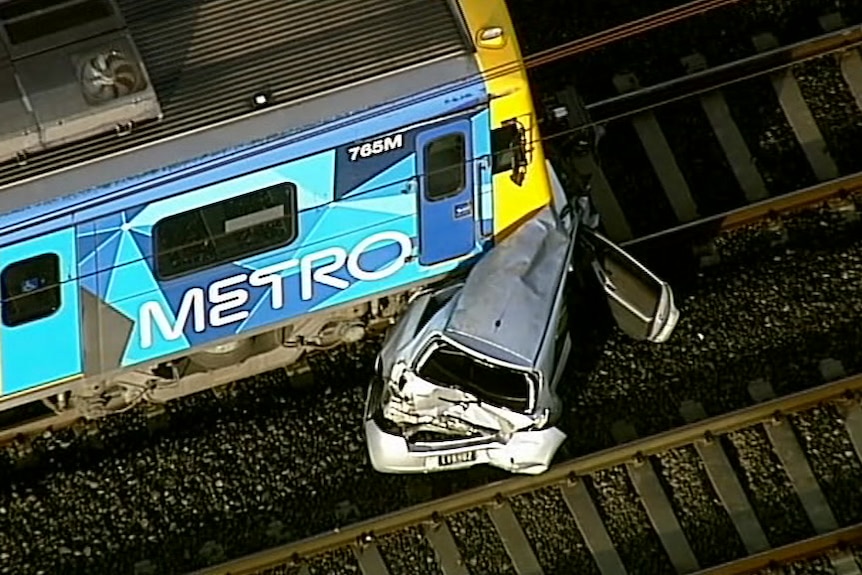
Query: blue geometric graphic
{"type": "Point", "coordinates": [357, 235]}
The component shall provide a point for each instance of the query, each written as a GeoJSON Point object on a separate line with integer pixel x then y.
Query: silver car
{"type": "Point", "coordinates": [469, 373]}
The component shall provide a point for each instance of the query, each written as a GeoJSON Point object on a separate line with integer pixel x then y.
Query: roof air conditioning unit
{"type": "Point", "coordinates": [78, 70]}
{"type": "Point", "coordinates": [108, 75]}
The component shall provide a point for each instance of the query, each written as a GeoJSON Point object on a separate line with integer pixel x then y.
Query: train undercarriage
{"type": "Point", "coordinates": [285, 347]}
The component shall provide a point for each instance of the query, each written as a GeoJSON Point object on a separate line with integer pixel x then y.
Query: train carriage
{"type": "Point", "coordinates": [195, 197]}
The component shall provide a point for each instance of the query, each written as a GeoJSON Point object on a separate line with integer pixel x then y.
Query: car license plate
{"type": "Point", "coordinates": [455, 458]}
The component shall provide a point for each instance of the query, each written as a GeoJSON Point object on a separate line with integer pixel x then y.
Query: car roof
{"type": "Point", "coordinates": [508, 298]}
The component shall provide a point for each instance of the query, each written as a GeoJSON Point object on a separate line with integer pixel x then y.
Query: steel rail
{"type": "Point", "coordinates": [568, 472]}
{"type": "Point", "coordinates": [800, 550]}
{"type": "Point", "coordinates": [625, 31]}
{"type": "Point", "coordinates": [714, 78]}
{"type": "Point", "coordinates": [759, 211]}
{"type": "Point", "coordinates": [39, 425]}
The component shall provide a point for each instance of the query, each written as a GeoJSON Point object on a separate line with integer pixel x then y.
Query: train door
{"type": "Point", "coordinates": [40, 339]}
{"type": "Point", "coordinates": [641, 303]}
{"type": "Point", "coordinates": [447, 226]}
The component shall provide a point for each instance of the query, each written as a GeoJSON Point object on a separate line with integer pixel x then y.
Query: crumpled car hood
{"type": "Point", "coordinates": [495, 435]}
{"type": "Point", "coordinates": [423, 406]}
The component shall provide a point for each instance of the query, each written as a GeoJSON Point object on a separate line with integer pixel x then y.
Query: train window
{"type": "Point", "coordinates": [227, 231]}
{"type": "Point", "coordinates": [445, 164]}
{"type": "Point", "coordinates": [30, 289]}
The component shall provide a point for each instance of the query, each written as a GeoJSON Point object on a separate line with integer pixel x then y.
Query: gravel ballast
{"type": "Point", "coordinates": [408, 552]}
{"type": "Point", "coordinates": [480, 546]}
{"type": "Point", "coordinates": [339, 562]}
{"type": "Point", "coordinates": [834, 109]}
{"type": "Point", "coordinates": [833, 460]}
{"type": "Point", "coordinates": [227, 469]}
{"type": "Point", "coordinates": [768, 310]}
{"type": "Point", "coordinates": [703, 519]}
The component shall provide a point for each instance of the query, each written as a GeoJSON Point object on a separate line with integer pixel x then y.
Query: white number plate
{"type": "Point", "coordinates": [455, 458]}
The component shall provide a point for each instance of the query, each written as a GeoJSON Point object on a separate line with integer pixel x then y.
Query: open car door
{"type": "Point", "coordinates": [641, 303]}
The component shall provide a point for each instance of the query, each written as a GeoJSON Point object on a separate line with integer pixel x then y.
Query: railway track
{"type": "Point", "coordinates": [627, 30]}
{"type": "Point", "coordinates": [702, 79]}
{"type": "Point", "coordinates": [588, 497]}
{"type": "Point", "coordinates": [278, 458]}
{"type": "Point", "coordinates": [670, 189]}
{"type": "Point", "coordinates": [701, 230]}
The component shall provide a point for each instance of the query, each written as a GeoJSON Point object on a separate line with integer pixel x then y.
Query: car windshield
{"type": "Point", "coordinates": [451, 367]}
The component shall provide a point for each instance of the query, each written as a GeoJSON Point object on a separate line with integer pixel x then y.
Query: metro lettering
{"type": "Point", "coordinates": [321, 274]}
{"type": "Point", "coordinates": [227, 301]}
{"type": "Point", "coordinates": [152, 311]}
{"type": "Point", "coordinates": [226, 295]}
{"type": "Point", "coordinates": [353, 259]}
{"type": "Point", "coordinates": [271, 275]}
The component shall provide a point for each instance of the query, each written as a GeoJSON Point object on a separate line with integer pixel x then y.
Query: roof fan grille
{"type": "Point", "coordinates": [110, 75]}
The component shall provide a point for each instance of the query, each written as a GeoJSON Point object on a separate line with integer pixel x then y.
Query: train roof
{"type": "Point", "coordinates": [317, 59]}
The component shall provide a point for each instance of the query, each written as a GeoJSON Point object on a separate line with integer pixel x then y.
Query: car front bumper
{"type": "Point", "coordinates": [528, 452]}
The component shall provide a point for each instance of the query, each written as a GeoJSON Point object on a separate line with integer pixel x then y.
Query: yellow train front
{"type": "Point", "coordinates": [226, 240]}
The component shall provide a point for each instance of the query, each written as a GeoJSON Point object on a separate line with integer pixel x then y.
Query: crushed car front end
{"type": "Point", "coordinates": [414, 425]}
{"type": "Point", "coordinates": [466, 376]}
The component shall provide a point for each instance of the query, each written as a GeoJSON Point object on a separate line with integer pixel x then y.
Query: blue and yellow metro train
{"type": "Point", "coordinates": [219, 265]}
